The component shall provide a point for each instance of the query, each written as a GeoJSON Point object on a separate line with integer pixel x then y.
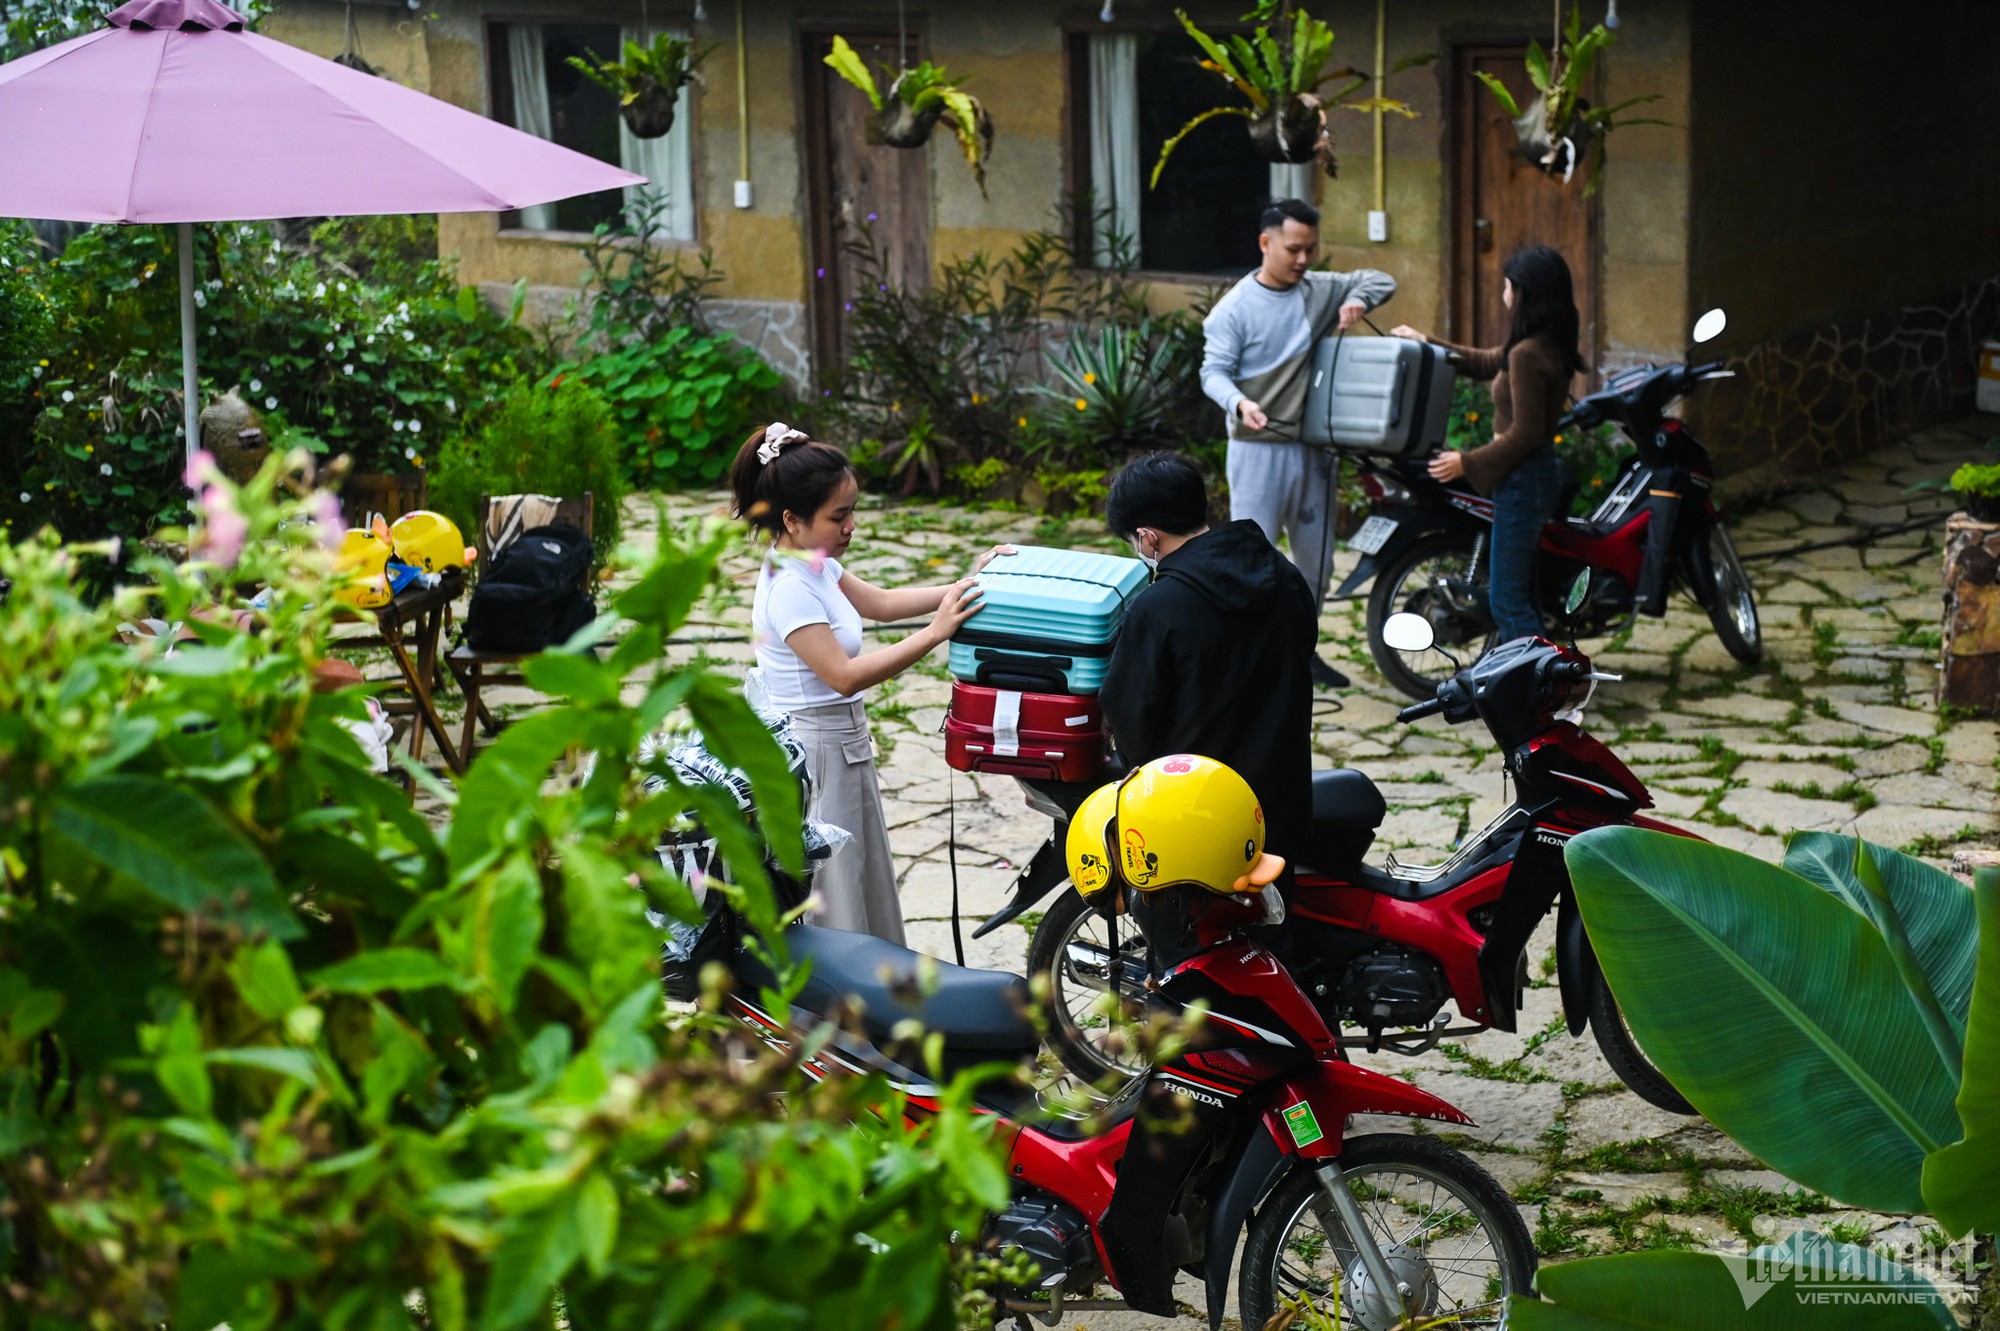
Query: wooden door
{"type": "Point", "coordinates": [854, 184]}
{"type": "Point", "coordinates": [1502, 202]}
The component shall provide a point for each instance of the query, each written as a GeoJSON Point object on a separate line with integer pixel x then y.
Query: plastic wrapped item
{"type": "Point", "coordinates": [691, 853]}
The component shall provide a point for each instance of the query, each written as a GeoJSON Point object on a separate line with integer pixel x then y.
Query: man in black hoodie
{"type": "Point", "coordinates": [1212, 658]}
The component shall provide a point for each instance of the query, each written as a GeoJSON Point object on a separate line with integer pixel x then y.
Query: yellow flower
{"type": "Point", "coordinates": [89, 448]}
{"type": "Point", "coordinates": [44, 362]}
{"type": "Point", "coordinates": [975, 399]}
{"type": "Point", "coordinates": [1472, 416]}
{"type": "Point", "coordinates": [1559, 438]}
{"type": "Point", "coordinates": [1023, 422]}
{"type": "Point", "coordinates": [1081, 405]}
{"type": "Point", "coordinates": [1090, 378]}
{"type": "Point", "coordinates": [895, 406]}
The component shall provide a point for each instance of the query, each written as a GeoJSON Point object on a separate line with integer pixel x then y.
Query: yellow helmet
{"type": "Point", "coordinates": [429, 541]}
{"type": "Point", "coordinates": [1176, 820]}
{"type": "Point", "coordinates": [361, 565]}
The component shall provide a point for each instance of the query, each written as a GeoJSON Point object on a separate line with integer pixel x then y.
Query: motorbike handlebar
{"type": "Point", "coordinates": [1417, 711]}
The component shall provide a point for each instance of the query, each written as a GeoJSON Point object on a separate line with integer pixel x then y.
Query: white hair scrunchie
{"type": "Point", "coordinates": [775, 438]}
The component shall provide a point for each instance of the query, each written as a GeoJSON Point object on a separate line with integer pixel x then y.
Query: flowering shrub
{"type": "Point", "coordinates": [382, 373]}
{"type": "Point", "coordinates": [275, 1052]}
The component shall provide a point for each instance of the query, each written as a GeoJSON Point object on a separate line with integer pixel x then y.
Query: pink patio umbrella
{"type": "Point", "coordinates": [175, 114]}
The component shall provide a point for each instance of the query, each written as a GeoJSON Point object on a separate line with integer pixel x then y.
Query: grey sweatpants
{"type": "Point", "coordinates": [1291, 488]}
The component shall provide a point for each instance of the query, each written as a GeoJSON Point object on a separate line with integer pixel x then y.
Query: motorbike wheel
{"type": "Point", "coordinates": [1447, 1229]}
{"type": "Point", "coordinates": [1072, 948]}
{"type": "Point", "coordinates": [1622, 1052]}
{"type": "Point", "coordinates": [1417, 581]}
{"type": "Point", "coordinates": [1732, 602]}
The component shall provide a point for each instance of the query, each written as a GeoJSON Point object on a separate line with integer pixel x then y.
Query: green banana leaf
{"type": "Point", "coordinates": [1772, 1289]}
{"type": "Point", "coordinates": [1935, 908]}
{"type": "Point", "coordinates": [844, 61]}
{"type": "Point", "coordinates": [1773, 1007]}
{"type": "Point", "coordinates": [1962, 1181]}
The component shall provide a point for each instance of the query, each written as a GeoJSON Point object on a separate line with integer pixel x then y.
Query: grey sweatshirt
{"type": "Point", "coordinates": [1259, 344]}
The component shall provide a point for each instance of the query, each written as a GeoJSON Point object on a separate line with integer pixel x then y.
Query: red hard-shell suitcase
{"type": "Point", "coordinates": [1055, 736]}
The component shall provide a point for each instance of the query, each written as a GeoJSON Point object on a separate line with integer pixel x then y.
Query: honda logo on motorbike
{"type": "Point", "coordinates": [1544, 837]}
{"type": "Point", "coordinates": [1181, 1089]}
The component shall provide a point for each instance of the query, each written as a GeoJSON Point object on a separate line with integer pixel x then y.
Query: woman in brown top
{"type": "Point", "coordinates": [1531, 376]}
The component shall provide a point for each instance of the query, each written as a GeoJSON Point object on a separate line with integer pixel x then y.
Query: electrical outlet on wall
{"type": "Point", "coordinates": [1378, 224]}
{"type": "Point", "coordinates": [742, 194]}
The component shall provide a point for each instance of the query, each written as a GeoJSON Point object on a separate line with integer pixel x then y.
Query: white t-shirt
{"type": "Point", "coordinates": [790, 595]}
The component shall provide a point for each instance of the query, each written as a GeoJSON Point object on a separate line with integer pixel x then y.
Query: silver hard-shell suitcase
{"type": "Point", "coordinates": [1378, 394]}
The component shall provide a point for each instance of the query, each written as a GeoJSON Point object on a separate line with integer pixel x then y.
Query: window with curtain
{"type": "Point", "coordinates": [1134, 90]}
{"type": "Point", "coordinates": [537, 90]}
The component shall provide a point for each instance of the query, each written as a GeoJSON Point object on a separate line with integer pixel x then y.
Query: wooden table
{"type": "Point", "coordinates": [414, 622]}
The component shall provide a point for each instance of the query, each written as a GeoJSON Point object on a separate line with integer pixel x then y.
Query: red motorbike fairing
{"type": "Point", "coordinates": [1589, 766]}
{"type": "Point", "coordinates": [1335, 1091]}
{"type": "Point", "coordinates": [1622, 550]}
{"type": "Point", "coordinates": [1437, 925]}
{"type": "Point", "coordinates": [1251, 998]}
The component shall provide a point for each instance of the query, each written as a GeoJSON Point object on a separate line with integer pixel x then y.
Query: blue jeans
{"type": "Point", "coordinates": [1523, 503]}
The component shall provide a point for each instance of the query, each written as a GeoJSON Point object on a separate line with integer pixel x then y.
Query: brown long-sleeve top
{"type": "Point", "coordinates": [1529, 388]}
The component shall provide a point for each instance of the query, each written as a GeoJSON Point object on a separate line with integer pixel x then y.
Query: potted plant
{"type": "Point", "coordinates": [1978, 486]}
{"type": "Point", "coordinates": [647, 82]}
{"type": "Point", "coordinates": [917, 97]}
{"type": "Point", "coordinates": [1560, 124]}
{"type": "Point", "coordinates": [1282, 75]}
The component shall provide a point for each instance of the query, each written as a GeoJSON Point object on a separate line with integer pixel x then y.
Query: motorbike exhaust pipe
{"type": "Point", "coordinates": [1656, 575]}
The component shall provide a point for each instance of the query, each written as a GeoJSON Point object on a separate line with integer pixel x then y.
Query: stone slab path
{"type": "Point", "coordinates": [1837, 729]}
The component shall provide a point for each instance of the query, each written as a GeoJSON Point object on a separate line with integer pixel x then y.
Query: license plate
{"type": "Point", "coordinates": [1374, 534]}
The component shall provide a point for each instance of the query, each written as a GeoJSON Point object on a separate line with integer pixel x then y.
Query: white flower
{"type": "Point", "coordinates": [409, 336]}
{"type": "Point", "coordinates": [371, 337]}
{"type": "Point", "coordinates": [270, 404]}
{"type": "Point", "coordinates": [410, 453]}
{"type": "Point", "coordinates": [347, 369]}
{"type": "Point", "coordinates": [329, 346]}
{"type": "Point", "coordinates": [397, 426]}
{"type": "Point", "coordinates": [201, 300]}
{"type": "Point", "coordinates": [38, 371]}
{"type": "Point", "coordinates": [403, 307]}
{"type": "Point", "coordinates": [450, 405]}
{"type": "Point", "coordinates": [319, 291]}
{"type": "Point", "coordinates": [214, 284]}
{"type": "Point", "coordinates": [180, 431]}
{"type": "Point", "coordinates": [27, 498]}
{"type": "Point", "coordinates": [340, 286]}
{"type": "Point", "coordinates": [104, 467]}
{"type": "Point", "coordinates": [416, 427]}
{"type": "Point", "coordinates": [68, 396]}
{"type": "Point", "coordinates": [256, 385]}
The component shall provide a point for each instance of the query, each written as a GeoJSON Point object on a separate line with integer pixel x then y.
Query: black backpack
{"type": "Point", "coordinates": [533, 595]}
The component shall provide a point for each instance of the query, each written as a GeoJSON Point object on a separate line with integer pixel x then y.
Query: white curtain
{"type": "Point", "coordinates": [527, 70]}
{"type": "Point", "coordinates": [1293, 180]}
{"type": "Point", "coordinates": [668, 161]}
{"type": "Point", "coordinates": [1115, 174]}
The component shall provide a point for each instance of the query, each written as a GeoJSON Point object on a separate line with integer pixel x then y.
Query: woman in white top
{"type": "Point", "coordinates": [806, 623]}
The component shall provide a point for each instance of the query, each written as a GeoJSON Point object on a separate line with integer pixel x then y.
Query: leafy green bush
{"type": "Point", "coordinates": [555, 439]}
{"type": "Point", "coordinates": [275, 1052]}
{"type": "Point", "coordinates": [1974, 478]}
{"type": "Point", "coordinates": [26, 325]}
{"type": "Point", "coordinates": [681, 403]}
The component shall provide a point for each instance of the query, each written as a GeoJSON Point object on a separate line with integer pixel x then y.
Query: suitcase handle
{"type": "Point", "coordinates": [1026, 674]}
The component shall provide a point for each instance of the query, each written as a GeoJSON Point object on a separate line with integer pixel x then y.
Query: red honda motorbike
{"type": "Point", "coordinates": [1246, 1126]}
{"type": "Point", "coordinates": [1385, 947]}
{"type": "Point", "coordinates": [1424, 542]}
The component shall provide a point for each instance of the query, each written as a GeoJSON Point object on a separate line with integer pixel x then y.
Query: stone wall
{"type": "Point", "coordinates": [1825, 394]}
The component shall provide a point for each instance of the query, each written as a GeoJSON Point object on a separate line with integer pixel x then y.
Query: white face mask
{"type": "Point", "coordinates": [1152, 562]}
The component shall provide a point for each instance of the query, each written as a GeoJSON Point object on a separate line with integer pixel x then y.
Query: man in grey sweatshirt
{"type": "Point", "coordinates": [1255, 367]}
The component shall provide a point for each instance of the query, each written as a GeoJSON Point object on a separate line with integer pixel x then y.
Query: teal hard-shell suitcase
{"type": "Point", "coordinates": [1049, 620]}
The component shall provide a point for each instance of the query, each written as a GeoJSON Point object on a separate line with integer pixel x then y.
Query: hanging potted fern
{"type": "Point", "coordinates": [918, 97]}
{"type": "Point", "coordinates": [1560, 125]}
{"type": "Point", "coordinates": [647, 82]}
{"type": "Point", "coordinates": [1282, 75]}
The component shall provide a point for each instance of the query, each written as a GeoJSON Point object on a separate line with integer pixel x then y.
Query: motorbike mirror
{"type": "Point", "coordinates": [1710, 326]}
{"type": "Point", "coordinates": [1579, 592]}
{"type": "Point", "coordinates": [1405, 632]}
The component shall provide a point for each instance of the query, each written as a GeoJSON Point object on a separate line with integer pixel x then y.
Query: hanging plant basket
{"type": "Point", "coordinates": [1291, 131]}
{"type": "Point", "coordinates": [898, 125]}
{"type": "Point", "coordinates": [649, 108]}
{"type": "Point", "coordinates": [1557, 155]}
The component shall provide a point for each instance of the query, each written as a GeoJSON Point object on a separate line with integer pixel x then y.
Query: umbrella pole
{"type": "Point", "coordinates": [190, 391]}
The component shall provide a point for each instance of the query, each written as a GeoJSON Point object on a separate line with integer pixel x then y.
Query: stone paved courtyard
{"type": "Point", "coordinates": [1836, 730]}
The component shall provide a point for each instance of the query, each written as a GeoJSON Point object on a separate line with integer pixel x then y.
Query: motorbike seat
{"type": "Point", "coordinates": [973, 1009]}
{"type": "Point", "coordinates": [1346, 810]}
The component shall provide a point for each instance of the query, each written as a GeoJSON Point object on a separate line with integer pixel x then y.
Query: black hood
{"type": "Point", "coordinates": [1233, 567]}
